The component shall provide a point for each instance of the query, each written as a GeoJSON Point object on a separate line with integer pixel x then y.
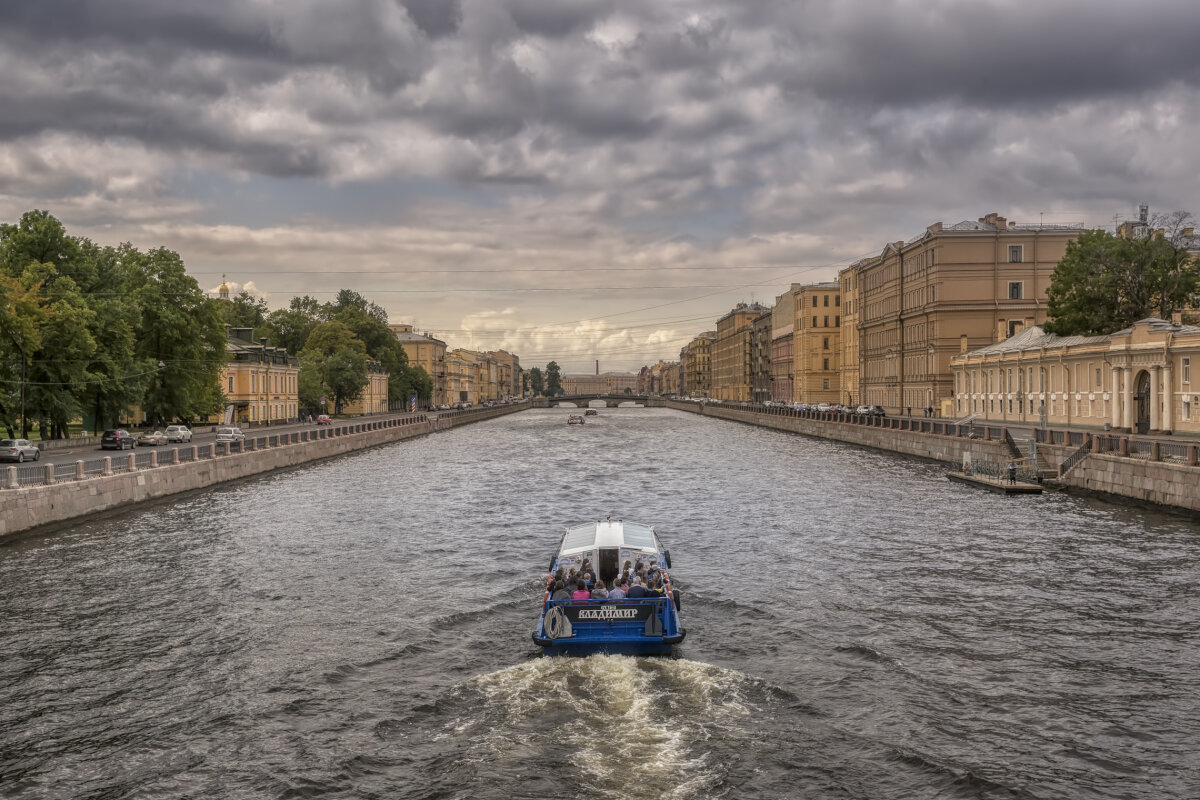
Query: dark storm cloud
{"type": "Point", "coordinates": [557, 19]}
{"type": "Point", "coordinates": [436, 18]}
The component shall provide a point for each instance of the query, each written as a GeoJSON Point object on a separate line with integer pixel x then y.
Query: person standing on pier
{"type": "Point", "coordinates": [1012, 472]}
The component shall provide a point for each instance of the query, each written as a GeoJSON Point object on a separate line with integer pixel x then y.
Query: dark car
{"type": "Point", "coordinates": [19, 450]}
{"type": "Point", "coordinates": [877, 411]}
{"type": "Point", "coordinates": [117, 440]}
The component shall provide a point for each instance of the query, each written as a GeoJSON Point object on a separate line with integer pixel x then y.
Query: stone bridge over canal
{"type": "Point", "coordinates": [610, 400]}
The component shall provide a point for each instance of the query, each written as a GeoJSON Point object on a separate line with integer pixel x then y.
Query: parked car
{"type": "Point", "coordinates": [824, 407]}
{"type": "Point", "coordinates": [323, 419]}
{"type": "Point", "coordinates": [877, 411]}
{"type": "Point", "coordinates": [863, 410]}
{"type": "Point", "coordinates": [178, 433]}
{"type": "Point", "coordinates": [230, 435]}
{"type": "Point", "coordinates": [19, 450]}
{"type": "Point", "coordinates": [117, 440]}
{"type": "Point", "coordinates": [153, 438]}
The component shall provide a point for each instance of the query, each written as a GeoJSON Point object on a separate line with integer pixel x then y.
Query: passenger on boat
{"type": "Point", "coordinates": [637, 590]}
{"type": "Point", "coordinates": [620, 592]}
{"type": "Point", "coordinates": [628, 567]}
{"type": "Point", "coordinates": [560, 591]}
{"type": "Point", "coordinates": [581, 592]}
{"type": "Point", "coordinates": [599, 591]}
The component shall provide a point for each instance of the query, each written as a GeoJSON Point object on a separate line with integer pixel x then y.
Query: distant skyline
{"type": "Point", "coordinates": [589, 180]}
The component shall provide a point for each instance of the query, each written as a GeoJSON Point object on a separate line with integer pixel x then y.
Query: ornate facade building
{"type": "Point", "coordinates": [426, 352]}
{"type": "Point", "coordinates": [783, 321]}
{"type": "Point", "coordinates": [697, 368]}
{"type": "Point", "coordinates": [260, 382]}
{"type": "Point", "coordinates": [1136, 380]}
{"type": "Point", "coordinates": [851, 393]}
{"type": "Point", "coordinates": [731, 368]}
{"type": "Point", "coordinates": [951, 289]}
{"type": "Point", "coordinates": [760, 358]}
{"type": "Point", "coordinates": [815, 343]}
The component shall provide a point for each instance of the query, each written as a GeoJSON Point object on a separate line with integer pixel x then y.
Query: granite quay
{"type": "Point", "coordinates": [37, 495]}
{"type": "Point", "coordinates": [1158, 471]}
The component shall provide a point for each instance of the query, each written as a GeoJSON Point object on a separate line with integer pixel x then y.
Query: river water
{"type": "Point", "coordinates": [858, 627]}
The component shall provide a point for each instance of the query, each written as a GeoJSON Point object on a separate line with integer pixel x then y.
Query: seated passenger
{"type": "Point", "coordinates": [560, 591]}
{"type": "Point", "coordinates": [619, 593]}
{"type": "Point", "coordinates": [599, 591]}
{"type": "Point", "coordinates": [581, 592]}
{"type": "Point", "coordinates": [637, 590]}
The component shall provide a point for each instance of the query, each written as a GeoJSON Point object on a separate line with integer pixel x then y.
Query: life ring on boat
{"type": "Point", "coordinates": [556, 624]}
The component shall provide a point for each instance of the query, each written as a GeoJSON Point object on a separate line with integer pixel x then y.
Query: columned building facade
{"type": "Point", "coordinates": [1135, 380]}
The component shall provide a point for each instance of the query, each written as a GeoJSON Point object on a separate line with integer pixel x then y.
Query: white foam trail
{"type": "Point", "coordinates": [632, 724]}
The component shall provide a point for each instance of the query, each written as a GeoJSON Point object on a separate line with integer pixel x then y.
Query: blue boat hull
{"type": "Point", "coordinates": [648, 626]}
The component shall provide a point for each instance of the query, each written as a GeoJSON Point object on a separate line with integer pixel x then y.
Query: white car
{"type": "Point", "coordinates": [178, 433]}
{"type": "Point", "coordinates": [230, 435]}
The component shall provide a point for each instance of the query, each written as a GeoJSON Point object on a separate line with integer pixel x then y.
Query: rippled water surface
{"type": "Point", "coordinates": [858, 627]}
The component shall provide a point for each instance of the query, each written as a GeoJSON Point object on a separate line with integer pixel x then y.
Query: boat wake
{"type": "Point", "coordinates": [604, 724]}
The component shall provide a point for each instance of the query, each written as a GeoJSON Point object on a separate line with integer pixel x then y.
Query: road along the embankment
{"type": "Point", "coordinates": [121, 484]}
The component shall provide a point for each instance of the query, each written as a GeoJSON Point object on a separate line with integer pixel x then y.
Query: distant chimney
{"type": "Point", "coordinates": [1143, 213]}
{"type": "Point", "coordinates": [597, 366]}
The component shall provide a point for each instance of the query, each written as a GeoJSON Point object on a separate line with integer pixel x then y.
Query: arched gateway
{"type": "Point", "coordinates": [1143, 402]}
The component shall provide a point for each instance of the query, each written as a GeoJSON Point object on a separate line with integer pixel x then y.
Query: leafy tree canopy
{"type": "Point", "coordinates": [1105, 283]}
{"type": "Point", "coordinates": [333, 364]}
{"type": "Point", "coordinates": [553, 380]}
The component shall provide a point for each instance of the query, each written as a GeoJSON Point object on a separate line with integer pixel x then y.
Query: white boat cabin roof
{"type": "Point", "coordinates": [608, 533]}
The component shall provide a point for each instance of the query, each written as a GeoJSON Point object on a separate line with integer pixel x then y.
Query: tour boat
{"type": "Point", "coordinates": [634, 626]}
{"type": "Point", "coordinates": [591, 412]}
{"type": "Point", "coordinates": [574, 419]}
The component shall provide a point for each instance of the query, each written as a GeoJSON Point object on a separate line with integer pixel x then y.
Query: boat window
{"type": "Point", "coordinates": [610, 563]}
{"type": "Point", "coordinates": [643, 538]}
{"type": "Point", "coordinates": [579, 537]}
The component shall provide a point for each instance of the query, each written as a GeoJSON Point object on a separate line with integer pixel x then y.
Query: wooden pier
{"type": "Point", "coordinates": [993, 484]}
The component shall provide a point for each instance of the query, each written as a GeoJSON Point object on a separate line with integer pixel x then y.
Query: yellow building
{"type": "Point", "coordinates": [953, 288]}
{"type": "Point", "coordinates": [816, 348]}
{"type": "Point", "coordinates": [731, 365]}
{"type": "Point", "coordinates": [604, 383]}
{"type": "Point", "coordinates": [260, 382]}
{"type": "Point", "coordinates": [426, 352]}
{"type": "Point", "coordinates": [851, 392]}
{"type": "Point", "coordinates": [783, 322]}
{"type": "Point", "coordinates": [509, 371]}
{"type": "Point", "coordinates": [697, 368]}
{"type": "Point", "coordinates": [1138, 379]}
{"type": "Point", "coordinates": [374, 397]}
{"type": "Point", "coordinates": [462, 377]}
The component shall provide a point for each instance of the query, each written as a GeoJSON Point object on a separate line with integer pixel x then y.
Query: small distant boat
{"type": "Point", "coordinates": [574, 419]}
{"type": "Point", "coordinates": [632, 626]}
{"type": "Point", "coordinates": [591, 412]}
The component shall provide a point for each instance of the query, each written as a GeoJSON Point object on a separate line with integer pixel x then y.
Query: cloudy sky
{"type": "Point", "coordinates": [582, 179]}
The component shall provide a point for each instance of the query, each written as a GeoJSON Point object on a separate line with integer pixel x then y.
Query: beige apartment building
{"type": "Point", "coordinates": [260, 383]}
{"type": "Point", "coordinates": [509, 373]}
{"type": "Point", "coordinates": [604, 383]}
{"type": "Point", "coordinates": [426, 352]}
{"type": "Point", "coordinates": [952, 289]}
{"type": "Point", "coordinates": [697, 369]}
{"type": "Point", "coordinates": [850, 393]}
{"type": "Point", "coordinates": [731, 367]}
{"type": "Point", "coordinates": [1138, 379]}
{"type": "Point", "coordinates": [783, 321]}
{"type": "Point", "coordinates": [816, 338]}
{"type": "Point", "coordinates": [760, 358]}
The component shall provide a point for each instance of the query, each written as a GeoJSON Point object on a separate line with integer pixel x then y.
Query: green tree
{"type": "Point", "coordinates": [1104, 283]}
{"type": "Point", "coordinates": [22, 314]}
{"type": "Point", "coordinates": [115, 378]}
{"type": "Point", "coordinates": [333, 364]}
{"type": "Point", "coordinates": [537, 383]}
{"type": "Point", "coordinates": [244, 311]}
{"type": "Point", "coordinates": [290, 328]}
{"type": "Point", "coordinates": [181, 341]}
{"type": "Point", "coordinates": [553, 380]}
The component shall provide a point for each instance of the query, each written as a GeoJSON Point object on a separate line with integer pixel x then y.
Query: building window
{"type": "Point", "coordinates": [1014, 327]}
{"type": "Point", "coordinates": [827, 322]}
{"type": "Point", "coordinates": [1015, 289]}
{"type": "Point", "coordinates": [1187, 370]}
{"type": "Point", "coordinates": [837, 300]}
{"type": "Point", "coordinates": [814, 301]}
{"type": "Point", "coordinates": [1187, 410]}
{"type": "Point", "coordinates": [1014, 253]}
{"type": "Point", "coordinates": [1097, 377]}
{"type": "Point", "coordinates": [827, 383]}
{"type": "Point", "coordinates": [231, 384]}
{"type": "Point", "coordinates": [837, 322]}
{"type": "Point", "coordinates": [814, 322]}
{"type": "Point", "coordinates": [825, 364]}
{"type": "Point", "coordinates": [825, 343]}
{"type": "Point", "coordinates": [827, 301]}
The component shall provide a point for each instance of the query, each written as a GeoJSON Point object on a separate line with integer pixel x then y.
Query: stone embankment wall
{"type": "Point", "coordinates": [37, 506]}
{"type": "Point", "coordinates": [1155, 482]}
{"type": "Point", "coordinates": [949, 449]}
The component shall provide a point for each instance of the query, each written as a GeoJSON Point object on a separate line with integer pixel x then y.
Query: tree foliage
{"type": "Point", "coordinates": [1105, 283]}
{"type": "Point", "coordinates": [553, 380]}
{"type": "Point", "coordinates": [537, 384]}
{"type": "Point", "coordinates": [333, 364]}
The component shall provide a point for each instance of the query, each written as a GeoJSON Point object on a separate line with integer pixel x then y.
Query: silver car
{"type": "Point", "coordinates": [19, 450]}
{"type": "Point", "coordinates": [230, 435]}
{"type": "Point", "coordinates": [178, 433]}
